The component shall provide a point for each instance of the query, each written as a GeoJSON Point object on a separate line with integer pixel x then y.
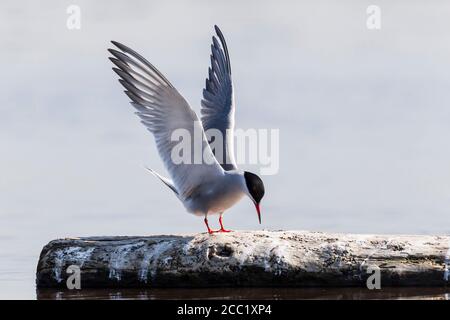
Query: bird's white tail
{"type": "Point", "coordinates": [165, 180]}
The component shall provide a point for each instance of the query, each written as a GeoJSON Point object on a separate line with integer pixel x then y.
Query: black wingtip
{"type": "Point", "coordinates": [115, 43]}
{"type": "Point", "coordinates": [113, 60]}
{"type": "Point", "coordinates": [120, 46]}
{"type": "Point", "coordinates": [118, 71]}
{"type": "Point", "coordinates": [219, 32]}
{"type": "Point", "coordinates": [224, 45]}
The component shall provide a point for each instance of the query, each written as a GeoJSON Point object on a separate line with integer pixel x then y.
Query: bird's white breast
{"type": "Point", "coordinates": [216, 196]}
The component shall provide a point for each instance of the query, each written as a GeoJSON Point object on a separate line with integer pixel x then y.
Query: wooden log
{"type": "Point", "coordinates": [247, 258]}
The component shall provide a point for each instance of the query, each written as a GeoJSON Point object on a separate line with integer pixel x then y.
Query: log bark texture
{"type": "Point", "coordinates": [247, 258]}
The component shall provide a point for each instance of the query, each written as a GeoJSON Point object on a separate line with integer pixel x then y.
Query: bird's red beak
{"type": "Point", "coordinates": [259, 212]}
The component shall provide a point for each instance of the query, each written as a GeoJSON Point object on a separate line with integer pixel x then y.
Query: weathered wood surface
{"type": "Point", "coordinates": [247, 258]}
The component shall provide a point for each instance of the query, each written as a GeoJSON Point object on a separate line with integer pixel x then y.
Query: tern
{"type": "Point", "coordinates": [205, 188]}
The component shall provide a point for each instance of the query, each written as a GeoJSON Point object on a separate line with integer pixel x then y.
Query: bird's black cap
{"type": "Point", "coordinates": [255, 186]}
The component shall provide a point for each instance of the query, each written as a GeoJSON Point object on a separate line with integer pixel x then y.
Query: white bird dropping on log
{"type": "Point", "coordinates": [213, 184]}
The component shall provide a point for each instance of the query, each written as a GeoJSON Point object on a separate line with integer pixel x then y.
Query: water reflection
{"type": "Point", "coordinates": [247, 293]}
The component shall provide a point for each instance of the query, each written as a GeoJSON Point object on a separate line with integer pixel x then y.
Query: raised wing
{"type": "Point", "coordinates": [163, 110]}
{"type": "Point", "coordinates": [218, 102]}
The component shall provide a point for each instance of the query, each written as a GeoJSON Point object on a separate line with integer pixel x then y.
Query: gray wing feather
{"type": "Point", "coordinates": [218, 101]}
{"type": "Point", "coordinates": [162, 110]}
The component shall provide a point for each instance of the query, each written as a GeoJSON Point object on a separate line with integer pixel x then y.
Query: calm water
{"type": "Point", "coordinates": [363, 119]}
{"type": "Point", "coordinates": [251, 293]}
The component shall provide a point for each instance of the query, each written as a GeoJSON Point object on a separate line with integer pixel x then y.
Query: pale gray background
{"type": "Point", "coordinates": [364, 118]}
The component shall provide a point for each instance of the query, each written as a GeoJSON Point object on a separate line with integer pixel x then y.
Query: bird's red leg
{"type": "Point", "coordinates": [222, 229]}
{"type": "Point", "coordinates": [207, 225]}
